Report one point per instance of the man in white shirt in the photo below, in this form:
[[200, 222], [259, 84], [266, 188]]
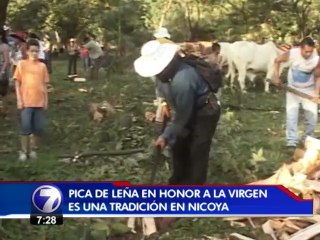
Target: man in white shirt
[[304, 76], [96, 56]]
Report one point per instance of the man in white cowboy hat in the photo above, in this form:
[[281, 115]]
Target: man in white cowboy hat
[[195, 120], [193, 126]]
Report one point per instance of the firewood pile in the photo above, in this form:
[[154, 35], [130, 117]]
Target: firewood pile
[[301, 176]]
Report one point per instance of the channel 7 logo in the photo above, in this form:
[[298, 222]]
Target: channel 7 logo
[[46, 199]]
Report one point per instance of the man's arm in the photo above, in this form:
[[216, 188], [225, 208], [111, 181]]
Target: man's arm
[[184, 104], [45, 82], [17, 78], [317, 79], [277, 63], [88, 45]]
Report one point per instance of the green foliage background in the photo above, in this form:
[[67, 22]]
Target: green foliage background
[[126, 23], [247, 146]]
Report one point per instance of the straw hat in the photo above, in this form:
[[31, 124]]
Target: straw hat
[[154, 58]]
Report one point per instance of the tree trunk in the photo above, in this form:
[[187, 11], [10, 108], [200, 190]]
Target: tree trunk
[[188, 19], [3, 11], [164, 12]]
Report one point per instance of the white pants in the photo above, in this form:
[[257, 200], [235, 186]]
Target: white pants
[[310, 117]]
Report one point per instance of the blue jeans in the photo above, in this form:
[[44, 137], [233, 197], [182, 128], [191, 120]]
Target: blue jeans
[[310, 117], [32, 121]]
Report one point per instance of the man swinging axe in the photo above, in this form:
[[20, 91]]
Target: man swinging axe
[[304, 77], [196, 113]]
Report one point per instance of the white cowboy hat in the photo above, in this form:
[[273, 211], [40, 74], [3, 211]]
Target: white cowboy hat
[[154, 58], [162, 33]]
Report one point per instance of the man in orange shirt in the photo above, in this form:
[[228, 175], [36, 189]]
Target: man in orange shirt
[[31, 77]]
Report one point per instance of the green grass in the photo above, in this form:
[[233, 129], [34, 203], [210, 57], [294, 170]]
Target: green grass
[[70, 130]]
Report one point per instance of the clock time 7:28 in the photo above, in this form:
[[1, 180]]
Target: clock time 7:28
[[39, 219]]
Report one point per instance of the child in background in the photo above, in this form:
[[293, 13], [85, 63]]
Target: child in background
[[31, 77]]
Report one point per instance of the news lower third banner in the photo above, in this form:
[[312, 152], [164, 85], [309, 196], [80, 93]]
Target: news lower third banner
[[121, 199]]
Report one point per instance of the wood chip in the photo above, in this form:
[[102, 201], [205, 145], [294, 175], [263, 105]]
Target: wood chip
[[78, 79], [237, 236], [237, 224], [149, 226], [284, 236], [234, 218], [251, 223], [268, 229], [307, 233]]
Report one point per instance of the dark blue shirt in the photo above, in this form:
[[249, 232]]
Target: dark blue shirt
[[184, 92]]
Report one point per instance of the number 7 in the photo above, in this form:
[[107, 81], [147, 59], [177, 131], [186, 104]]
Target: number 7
[[48, 206], [39, 219]]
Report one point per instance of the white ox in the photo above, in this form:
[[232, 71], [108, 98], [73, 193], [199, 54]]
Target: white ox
[[225, 56], [249, 58]]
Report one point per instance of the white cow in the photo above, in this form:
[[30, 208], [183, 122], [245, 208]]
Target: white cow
[[249, 58], [225, 57]]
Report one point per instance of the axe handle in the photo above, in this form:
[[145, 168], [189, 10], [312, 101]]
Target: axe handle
[[294, 91]]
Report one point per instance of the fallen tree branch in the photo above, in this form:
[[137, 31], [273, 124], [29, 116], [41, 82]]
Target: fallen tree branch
[[107, 153], [6, 151], [239, 108]]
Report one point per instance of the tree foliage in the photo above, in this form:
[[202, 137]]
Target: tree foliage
[[126, 23]]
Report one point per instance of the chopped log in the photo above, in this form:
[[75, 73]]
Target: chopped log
[[284, 236], [6, 151], [131, 224], [307, 233], [316, 204], [300, 223], [234, 218], [237, 236], [267, 228], [148, 226], [100, 110], [251, 223], [310, 220], [108, 153], [79, 79], [291, 225], [237, 224]]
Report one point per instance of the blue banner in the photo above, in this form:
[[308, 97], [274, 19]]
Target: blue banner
[[121, 199]]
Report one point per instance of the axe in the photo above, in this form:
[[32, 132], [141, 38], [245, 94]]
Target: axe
[[293, 90], [148, 223]]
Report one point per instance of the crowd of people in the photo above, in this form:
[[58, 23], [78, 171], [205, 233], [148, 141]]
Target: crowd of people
[[25, 64], [91, 54]]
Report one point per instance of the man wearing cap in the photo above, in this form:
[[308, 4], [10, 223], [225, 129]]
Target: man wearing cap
[[162, 35], [195, 121]]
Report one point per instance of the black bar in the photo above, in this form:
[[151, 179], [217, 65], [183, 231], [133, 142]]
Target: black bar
[[46, 219]]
